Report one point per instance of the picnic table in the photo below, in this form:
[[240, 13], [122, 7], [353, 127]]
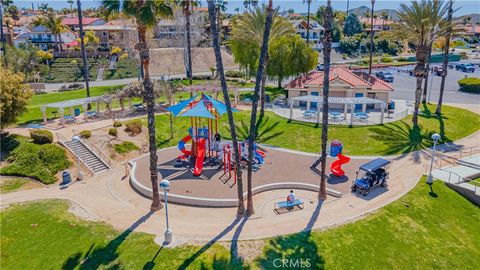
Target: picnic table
[[336, 116], [69, 118], [309, 113], [91, 113], [361, 116]]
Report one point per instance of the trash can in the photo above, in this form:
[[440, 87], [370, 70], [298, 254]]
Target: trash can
[[66, 177], [267, 98], [391, 105]]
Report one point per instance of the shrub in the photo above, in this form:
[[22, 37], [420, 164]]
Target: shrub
[[134, 126], [41, 136], [117, 124], [125, 147], [202, 77], [458, 43], [402, 59], [71, 87], [471, 85], [113, 132], [234, 74], [86, 134], [41, 162], [463, 55], [386, 59]]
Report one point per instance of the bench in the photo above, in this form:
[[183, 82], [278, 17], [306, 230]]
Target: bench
[[285, 206]]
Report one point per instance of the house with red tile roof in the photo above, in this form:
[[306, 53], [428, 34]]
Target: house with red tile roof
[[378, 24], [343, 83], [73, 22]]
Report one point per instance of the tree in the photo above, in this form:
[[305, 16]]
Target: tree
[[327, 48], [371, 39], [309, 3], [53, 23], [86, 72], [146, 14], [186, 6], [384, 15], [446, 50], [247, 32], [14, 98], [231, 123], [352, 25], [290, 55], [262, 62], [421, 24], [220, 6], [70, 2], [45, 56], [3, 4]]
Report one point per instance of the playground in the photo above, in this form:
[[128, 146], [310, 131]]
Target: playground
[[202, 168]]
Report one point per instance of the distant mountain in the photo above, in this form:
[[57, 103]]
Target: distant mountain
[[473, 18], [360, 11]]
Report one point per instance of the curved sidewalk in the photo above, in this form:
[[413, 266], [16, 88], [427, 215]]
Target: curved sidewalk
[[109, 198]]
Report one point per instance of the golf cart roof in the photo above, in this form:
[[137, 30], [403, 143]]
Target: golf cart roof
[[374, 164]]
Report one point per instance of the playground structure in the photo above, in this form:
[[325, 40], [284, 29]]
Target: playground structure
[[336, 148], [206, 149]]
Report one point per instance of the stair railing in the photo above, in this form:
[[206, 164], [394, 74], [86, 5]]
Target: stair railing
[[94, 149]]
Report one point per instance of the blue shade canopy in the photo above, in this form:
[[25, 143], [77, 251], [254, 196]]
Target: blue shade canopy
[[220, 107], [177, 108], [198, 110]]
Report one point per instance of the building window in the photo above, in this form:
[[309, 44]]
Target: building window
[[104, 33]]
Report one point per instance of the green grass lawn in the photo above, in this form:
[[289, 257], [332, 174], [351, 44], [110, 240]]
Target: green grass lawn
[[422, 230], [12, 184], [475, 182], [43, 235], [393, 138]]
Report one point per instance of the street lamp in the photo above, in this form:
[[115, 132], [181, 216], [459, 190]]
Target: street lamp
[[165, 185], [435, 138], [79, 171]]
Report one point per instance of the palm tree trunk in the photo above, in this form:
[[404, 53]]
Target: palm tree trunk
[[371, 40], [438, 111], [327, 48], [427, 69], [2, 36], [421, 55], [309, 2], [60, 41], [189, 42], [143, 49], [231, 122], [84, 52], [262, 92]]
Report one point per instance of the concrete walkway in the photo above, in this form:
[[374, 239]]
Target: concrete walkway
[[108, 197]]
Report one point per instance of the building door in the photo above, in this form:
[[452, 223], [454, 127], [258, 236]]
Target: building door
[[372, 96], [303, 103], [313, 105], [358, 106]]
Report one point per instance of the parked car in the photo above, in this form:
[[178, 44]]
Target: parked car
[[371, 175], [386, 76], [320, 67], [468, 67]]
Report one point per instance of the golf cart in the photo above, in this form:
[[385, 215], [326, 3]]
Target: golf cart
[[370, 175]]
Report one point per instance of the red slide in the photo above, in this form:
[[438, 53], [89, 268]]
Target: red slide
[[200, 157], [336, 166]]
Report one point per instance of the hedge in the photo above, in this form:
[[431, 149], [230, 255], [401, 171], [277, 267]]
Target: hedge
[[117, 124], [471, 85], [234, 74], [386, 59], [133, 126], [125, 147], [113, 132], [41, 136], [86, 134], [41, 162]]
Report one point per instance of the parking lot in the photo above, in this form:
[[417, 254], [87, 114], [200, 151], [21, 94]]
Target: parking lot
[[405, 84]]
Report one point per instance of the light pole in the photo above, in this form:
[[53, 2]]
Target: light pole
[[79, 171], [165, 185], [435, 138]]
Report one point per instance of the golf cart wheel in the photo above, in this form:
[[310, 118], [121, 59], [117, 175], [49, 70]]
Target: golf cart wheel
[[364, 192], [354, 188], [384, 184]]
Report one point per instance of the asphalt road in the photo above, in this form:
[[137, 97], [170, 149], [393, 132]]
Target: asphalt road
[[404, 85]]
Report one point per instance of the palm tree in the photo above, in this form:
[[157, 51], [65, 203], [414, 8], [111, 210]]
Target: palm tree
[[253, 117], [327, 48], [418, 21], [53, 23], [220, 6], [309, 3], [186, 6], [445, 56], [231, 123], [84, 53], [249, 30], [146, 14], [348, 7], [371, 39], [384, 15], [71, 6]]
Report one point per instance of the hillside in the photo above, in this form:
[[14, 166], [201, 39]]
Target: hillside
[[473, 18], [360, 11]]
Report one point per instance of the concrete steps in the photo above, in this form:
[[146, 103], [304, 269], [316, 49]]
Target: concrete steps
[[86, 156]]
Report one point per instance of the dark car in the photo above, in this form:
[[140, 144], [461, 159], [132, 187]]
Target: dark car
[[373, 175], [320, 67], [438, 70], [465, 67]]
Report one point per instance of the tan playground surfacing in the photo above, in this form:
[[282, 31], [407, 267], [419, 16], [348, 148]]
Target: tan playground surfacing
[[282, 169]]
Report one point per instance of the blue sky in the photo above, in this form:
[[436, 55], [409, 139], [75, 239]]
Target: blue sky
[[466, 6]]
